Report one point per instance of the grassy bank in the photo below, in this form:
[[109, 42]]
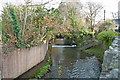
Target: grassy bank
[[97, 50], [42, 71]]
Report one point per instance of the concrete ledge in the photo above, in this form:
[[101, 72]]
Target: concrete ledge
[[19, 61], [0, 75]]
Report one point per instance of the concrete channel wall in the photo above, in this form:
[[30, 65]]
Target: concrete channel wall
[[0, 60], [19, 61]]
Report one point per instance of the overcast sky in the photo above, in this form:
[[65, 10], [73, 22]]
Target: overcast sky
[[108, 5]]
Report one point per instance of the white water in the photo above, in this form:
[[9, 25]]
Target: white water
[[54, 45]]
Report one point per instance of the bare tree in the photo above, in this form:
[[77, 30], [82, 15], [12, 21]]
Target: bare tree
[[93, 10], [65, 8], [26, 14]]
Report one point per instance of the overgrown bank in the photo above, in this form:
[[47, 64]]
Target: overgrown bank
[[105, 39], [25, 27], [97, 50]]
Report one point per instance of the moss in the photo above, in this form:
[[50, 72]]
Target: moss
[[44, 69], [51, 53], [119, 34]]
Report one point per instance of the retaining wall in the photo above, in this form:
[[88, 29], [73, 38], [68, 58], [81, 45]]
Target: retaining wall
[[19, 61], [111, 62], [0, 60]]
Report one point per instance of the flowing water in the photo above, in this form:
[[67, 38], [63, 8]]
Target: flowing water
[[70, 62]]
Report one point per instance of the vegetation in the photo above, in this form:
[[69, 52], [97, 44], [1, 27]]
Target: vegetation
[[107, 37], [76, 34], [93, 10], [97, 50], [107, 25], [38, 27], [25, 27], [44, 69], [119, 29]]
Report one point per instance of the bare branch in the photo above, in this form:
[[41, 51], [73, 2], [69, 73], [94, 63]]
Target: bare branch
[[42, 4]]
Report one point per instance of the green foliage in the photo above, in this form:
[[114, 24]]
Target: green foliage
[[40, 25], [97, 50], [75, 34], [107, 25], [107, 37], [16, 27], [119, 29], [0, 26], [72, 18], [51, 53], [43, 70]]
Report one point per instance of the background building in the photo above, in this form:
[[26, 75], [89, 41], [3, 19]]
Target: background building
[[117, 28], [119, 10]]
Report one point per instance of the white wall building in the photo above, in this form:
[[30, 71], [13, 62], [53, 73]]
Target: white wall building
[[119, 9]]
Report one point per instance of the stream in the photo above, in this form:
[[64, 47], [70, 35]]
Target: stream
[[70, 62]]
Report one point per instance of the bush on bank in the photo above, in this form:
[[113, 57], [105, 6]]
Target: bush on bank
[[107, 37], [25, 27], [76, 32]]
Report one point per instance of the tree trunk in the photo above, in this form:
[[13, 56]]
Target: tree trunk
[[24, 21]]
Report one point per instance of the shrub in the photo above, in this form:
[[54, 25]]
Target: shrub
[[78, 36], [107, 37], [107, 25], [76, 33], [119, 29], [19, 31]]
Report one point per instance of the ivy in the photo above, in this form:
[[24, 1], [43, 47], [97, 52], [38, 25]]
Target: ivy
[[16, 27], [41, 24]]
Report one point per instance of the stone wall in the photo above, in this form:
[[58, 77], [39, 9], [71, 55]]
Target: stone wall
[[111, 62], [19, 61]]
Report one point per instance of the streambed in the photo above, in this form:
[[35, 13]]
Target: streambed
[[70, 62]]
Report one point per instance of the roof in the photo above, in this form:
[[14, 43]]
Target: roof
[[117, 21]]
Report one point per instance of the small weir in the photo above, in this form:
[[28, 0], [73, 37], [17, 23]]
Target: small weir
[[54, 45], [70, 62]]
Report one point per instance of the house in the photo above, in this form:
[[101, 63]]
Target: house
[[118, 20]]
